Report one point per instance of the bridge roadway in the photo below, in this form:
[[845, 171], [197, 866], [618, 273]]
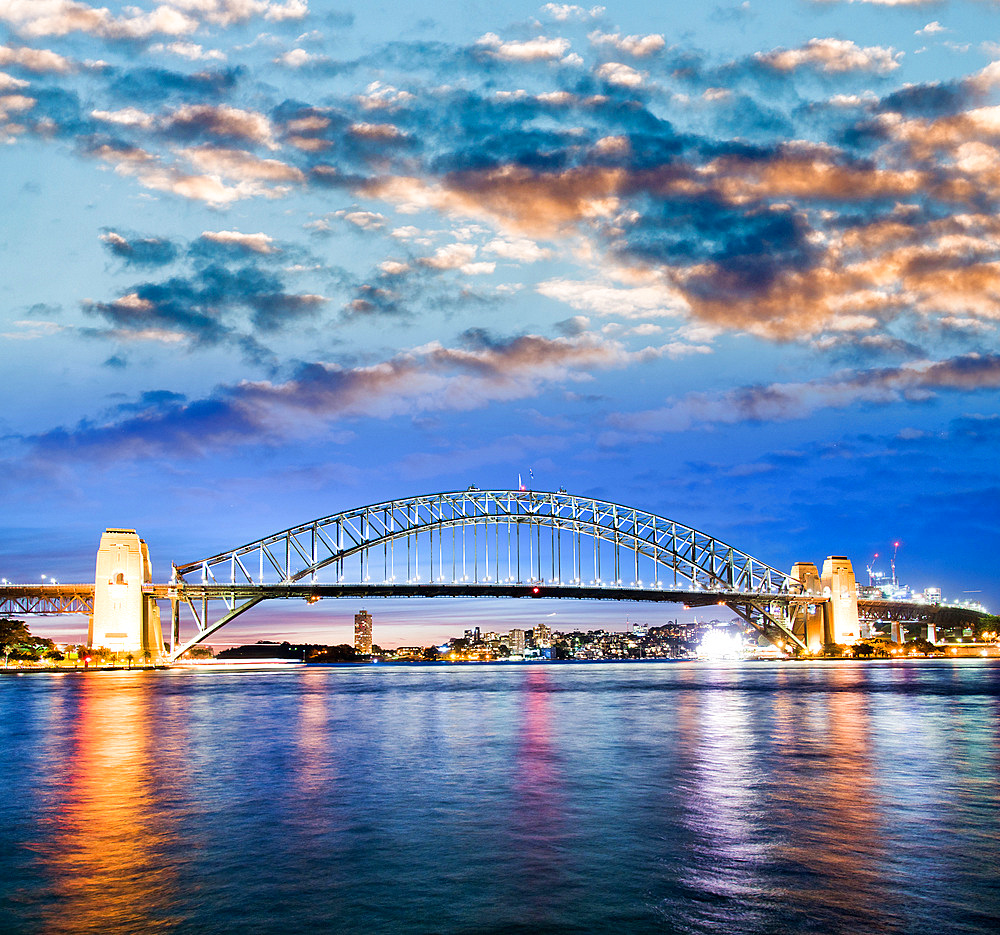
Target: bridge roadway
[[78, 598]]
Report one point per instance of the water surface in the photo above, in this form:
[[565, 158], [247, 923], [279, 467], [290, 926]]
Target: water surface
[[666, 798]]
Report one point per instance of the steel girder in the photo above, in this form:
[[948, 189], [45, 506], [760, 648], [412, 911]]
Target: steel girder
[[47, 599]]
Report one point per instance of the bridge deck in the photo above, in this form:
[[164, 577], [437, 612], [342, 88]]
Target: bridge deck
[[78, 598]]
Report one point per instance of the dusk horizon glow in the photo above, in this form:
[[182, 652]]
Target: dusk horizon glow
[[268, 260]]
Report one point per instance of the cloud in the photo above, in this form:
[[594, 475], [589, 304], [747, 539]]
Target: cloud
[[194, 121], [244, 167], [832, 55], [227, 274], [479, 370], [601, 297], [639, 46], [14, 104], [190, 51], [161, 85], [564, 12], [35, 60], [749, 211], [249, 171], [60, 17], [379, 96], [521, 249], [9, 83], [295, 58], [170, 18], [140, 251], [31, 330], [616, 73], [366, 220], [452, 256], [126, 117], [253, 243], [515, 197], [779, 402], [528, 50]]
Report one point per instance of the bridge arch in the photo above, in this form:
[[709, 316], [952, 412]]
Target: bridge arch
[[484, 543], [520, 552]]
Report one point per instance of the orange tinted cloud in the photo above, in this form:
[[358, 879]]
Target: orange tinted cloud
[[515, 197], [832, 55]]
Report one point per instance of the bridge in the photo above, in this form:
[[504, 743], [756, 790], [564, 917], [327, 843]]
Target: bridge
[[470, 543]]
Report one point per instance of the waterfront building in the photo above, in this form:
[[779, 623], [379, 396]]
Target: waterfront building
[[515, 642], [363, 633], [543, 636]]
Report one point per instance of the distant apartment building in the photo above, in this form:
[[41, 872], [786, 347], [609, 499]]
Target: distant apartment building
[[363, 633], [543, 636], [515, 642]]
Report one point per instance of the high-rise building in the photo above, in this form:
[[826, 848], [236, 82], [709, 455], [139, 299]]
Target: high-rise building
[[515, 641], [363, 633], [543, 636]]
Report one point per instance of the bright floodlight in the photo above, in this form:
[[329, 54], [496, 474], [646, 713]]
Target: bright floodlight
[[721, 644]]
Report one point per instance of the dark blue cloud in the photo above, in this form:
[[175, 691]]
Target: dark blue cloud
[[223, 278], [136, 250], [159, 85]]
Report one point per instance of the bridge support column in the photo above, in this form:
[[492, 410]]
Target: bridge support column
[[125, 620], [175, 623], [840, 585]]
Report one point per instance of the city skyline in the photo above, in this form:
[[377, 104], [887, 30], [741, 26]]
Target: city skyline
[[265, 261]]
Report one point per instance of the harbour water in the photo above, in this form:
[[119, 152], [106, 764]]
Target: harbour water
[[627, 798]]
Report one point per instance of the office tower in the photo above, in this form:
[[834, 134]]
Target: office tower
[[363, 633]]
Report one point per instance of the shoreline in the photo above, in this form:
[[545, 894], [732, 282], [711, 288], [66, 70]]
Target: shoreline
[[293, 665]]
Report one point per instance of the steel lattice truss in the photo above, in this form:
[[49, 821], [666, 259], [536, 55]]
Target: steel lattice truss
[[47, 599], [482, 542], [494, 536]]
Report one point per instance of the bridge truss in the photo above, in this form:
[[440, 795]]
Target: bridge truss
[[501, 543], [46, 599]]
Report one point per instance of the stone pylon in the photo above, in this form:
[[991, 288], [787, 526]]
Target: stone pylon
[[125, 619], [840, 585]]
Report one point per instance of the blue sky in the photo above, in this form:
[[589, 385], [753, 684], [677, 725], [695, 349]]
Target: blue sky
[[737, 264]]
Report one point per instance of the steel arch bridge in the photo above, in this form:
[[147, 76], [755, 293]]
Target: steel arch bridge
[[497, 543]]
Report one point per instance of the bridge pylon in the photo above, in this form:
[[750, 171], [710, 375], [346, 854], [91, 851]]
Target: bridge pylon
[[126, 618], [840, 585]]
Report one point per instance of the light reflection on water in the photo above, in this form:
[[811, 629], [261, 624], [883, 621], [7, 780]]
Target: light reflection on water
[[597, 798]]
